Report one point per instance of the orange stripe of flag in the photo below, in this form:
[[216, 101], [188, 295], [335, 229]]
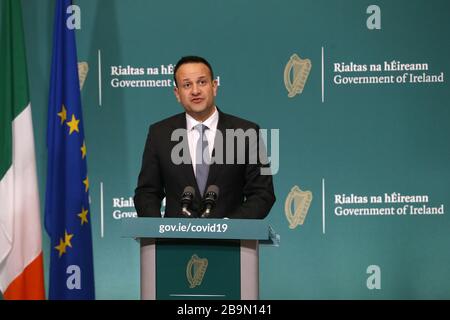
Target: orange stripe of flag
[[29, 285]]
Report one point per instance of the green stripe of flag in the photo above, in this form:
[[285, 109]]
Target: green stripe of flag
[[13, 77]]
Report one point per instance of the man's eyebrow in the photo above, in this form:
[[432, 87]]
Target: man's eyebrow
[[199, 77]]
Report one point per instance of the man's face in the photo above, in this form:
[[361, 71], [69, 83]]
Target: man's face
[[195, 90]]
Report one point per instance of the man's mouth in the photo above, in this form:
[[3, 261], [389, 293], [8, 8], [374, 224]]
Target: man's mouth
[[197, 100]]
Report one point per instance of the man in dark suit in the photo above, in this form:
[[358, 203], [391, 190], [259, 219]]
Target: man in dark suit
[[202, 147]]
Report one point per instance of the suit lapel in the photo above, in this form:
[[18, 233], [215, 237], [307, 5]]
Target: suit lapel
[[186, 168], [214, 168]]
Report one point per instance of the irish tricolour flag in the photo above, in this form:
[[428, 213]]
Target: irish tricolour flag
[[21, 267]]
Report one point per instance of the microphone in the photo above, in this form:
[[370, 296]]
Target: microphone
[[186, 200], [211, 195]]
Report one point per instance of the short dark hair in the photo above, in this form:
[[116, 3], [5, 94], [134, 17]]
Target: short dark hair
[[191, 59]]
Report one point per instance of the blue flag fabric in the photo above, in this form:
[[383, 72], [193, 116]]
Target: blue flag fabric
[[67, 212]]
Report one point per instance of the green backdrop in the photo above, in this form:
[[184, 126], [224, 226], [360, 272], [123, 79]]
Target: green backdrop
[[334, 139]]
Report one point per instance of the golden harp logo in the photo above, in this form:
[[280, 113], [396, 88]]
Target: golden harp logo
[[83, 69], [302, 201], [299, 68], [195, 270]]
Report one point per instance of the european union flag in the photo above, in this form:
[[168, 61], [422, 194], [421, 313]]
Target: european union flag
[[67, 213]]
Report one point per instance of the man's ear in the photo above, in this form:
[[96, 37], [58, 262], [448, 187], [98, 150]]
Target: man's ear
[[215, 86], [175, 91]]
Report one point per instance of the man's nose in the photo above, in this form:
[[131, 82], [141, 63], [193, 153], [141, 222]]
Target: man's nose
[[195, 89]]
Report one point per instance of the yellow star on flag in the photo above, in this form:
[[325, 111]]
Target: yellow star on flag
[[61, 247], [86, 183], [67, 238], [83, 150], [73, 124], [63, 114], [83, 215]]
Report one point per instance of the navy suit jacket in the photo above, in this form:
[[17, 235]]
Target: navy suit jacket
[[243, 191]]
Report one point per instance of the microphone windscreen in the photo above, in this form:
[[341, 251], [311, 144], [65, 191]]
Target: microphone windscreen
[[213, 188], [189, 189]]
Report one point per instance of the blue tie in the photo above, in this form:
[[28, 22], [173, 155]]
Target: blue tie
[[202, 158]]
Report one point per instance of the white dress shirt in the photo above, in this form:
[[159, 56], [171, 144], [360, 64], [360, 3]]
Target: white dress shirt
[[193, 135]]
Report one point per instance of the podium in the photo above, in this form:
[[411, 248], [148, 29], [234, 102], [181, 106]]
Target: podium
[[199, 258]]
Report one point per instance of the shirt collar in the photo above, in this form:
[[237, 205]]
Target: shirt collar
[[211, 122]]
